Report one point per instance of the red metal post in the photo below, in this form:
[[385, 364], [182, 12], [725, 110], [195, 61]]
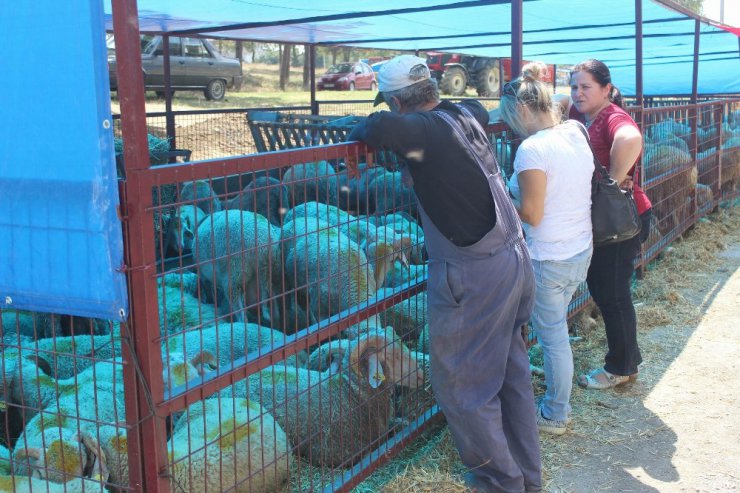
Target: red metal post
[[147, 453], [516, 37]]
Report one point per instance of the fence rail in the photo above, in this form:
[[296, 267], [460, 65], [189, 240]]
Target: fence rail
[[288, 346]]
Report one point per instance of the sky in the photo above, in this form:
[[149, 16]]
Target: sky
[[732, 11]]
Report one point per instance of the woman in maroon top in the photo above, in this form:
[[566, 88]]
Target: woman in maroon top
[[617, 144]]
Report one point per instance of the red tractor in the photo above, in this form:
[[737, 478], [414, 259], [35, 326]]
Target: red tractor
[[455, 72]]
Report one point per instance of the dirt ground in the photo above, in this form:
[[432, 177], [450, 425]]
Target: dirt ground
[[674, 430], [677, 428]]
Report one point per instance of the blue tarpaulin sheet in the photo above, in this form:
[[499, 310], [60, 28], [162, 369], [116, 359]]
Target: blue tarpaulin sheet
[[61, 247], [555, 31]]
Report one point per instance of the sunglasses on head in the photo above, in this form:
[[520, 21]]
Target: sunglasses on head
[[513, 87]]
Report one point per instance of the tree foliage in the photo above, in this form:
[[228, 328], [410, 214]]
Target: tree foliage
[[695, 6]]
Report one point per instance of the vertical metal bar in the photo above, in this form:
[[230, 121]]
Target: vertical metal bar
[[169, 116], [554, 78], [694, 112], [144, 469], [639, 96], [312, 68], [638, 53], [695, 74], [516, 37]]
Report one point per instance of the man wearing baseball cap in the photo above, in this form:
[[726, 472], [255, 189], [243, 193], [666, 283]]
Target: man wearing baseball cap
[[480, 288]]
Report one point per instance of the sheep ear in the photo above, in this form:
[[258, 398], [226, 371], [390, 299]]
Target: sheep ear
[[204, 359], [98, 469], [43, 365], [364, 347], [29, 453]]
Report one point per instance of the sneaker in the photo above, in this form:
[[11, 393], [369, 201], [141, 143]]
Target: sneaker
[[550, 425]]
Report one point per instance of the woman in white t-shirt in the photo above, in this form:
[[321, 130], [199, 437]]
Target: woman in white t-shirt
[[551, 186]]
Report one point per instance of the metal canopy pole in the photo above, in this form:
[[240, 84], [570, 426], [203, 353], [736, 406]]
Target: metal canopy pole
[[638, 53], [516, 37], [169, 117], [312, 70], [695, 78], [146, 437]]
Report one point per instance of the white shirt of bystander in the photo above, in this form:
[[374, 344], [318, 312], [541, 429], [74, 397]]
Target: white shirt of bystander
[[563, 154]]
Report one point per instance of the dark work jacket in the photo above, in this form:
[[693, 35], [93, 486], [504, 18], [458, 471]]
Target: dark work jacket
[[448, 182]]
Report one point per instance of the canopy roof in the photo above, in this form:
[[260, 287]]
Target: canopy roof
[[555, 31]]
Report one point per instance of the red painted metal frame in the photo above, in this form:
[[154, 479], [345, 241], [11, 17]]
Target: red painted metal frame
[[147, 432]]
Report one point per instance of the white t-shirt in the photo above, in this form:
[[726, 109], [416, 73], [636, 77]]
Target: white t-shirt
[[563, 154]]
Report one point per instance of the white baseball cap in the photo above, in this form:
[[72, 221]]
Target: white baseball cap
[[395, 74]]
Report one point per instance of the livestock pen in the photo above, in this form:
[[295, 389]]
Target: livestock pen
[[274, 335], [285, 316]]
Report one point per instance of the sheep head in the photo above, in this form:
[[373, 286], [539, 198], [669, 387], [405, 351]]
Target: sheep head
[[383, 255], [63, 459], [378, 359], [181, 227]]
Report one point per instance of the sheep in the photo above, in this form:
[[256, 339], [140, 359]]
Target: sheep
[[330, 272], [400, 275], [59, 358], [200, 194], [411, 402], [4, 461], [179, 310], [422, 346], [354, 193], [331, 419], [15, 484], [228, 443], [34, 388], [392, 194], [235, 250], [187, 282], [61, 442], [311, 211], [408, 317], [31, 324], [328, 356], [264, 195], [181, 227], [86, 415], [312, 182], [226, 342]]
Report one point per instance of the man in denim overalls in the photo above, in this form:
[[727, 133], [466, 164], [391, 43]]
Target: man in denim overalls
[[480, 288]]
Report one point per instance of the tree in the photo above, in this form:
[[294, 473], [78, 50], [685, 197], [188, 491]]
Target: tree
[[306, 68], [695, 6], [285, 65]]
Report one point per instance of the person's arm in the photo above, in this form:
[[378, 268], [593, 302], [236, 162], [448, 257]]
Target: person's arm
[[532, 184], [403, 134], [626, 148]]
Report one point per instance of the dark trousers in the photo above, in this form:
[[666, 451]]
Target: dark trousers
[[609, 278]]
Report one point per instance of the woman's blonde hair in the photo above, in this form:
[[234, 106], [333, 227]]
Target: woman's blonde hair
[[527, 90]]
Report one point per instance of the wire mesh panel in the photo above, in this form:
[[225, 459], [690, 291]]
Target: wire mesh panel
[[295, 293], [292, 308], [63, 420]]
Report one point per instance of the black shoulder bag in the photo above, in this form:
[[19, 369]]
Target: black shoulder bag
[[613, 211]]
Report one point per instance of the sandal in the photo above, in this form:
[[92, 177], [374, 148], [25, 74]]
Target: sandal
[[600, 379]]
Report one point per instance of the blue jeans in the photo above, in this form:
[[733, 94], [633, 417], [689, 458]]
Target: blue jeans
[[556, 281]]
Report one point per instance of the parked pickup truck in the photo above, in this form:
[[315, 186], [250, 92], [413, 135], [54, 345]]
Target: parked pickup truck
[[195, 64]]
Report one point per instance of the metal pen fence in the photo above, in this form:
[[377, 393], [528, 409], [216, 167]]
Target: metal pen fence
[[284, 343]]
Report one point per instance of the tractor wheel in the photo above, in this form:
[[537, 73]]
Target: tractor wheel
[[487, 80], [454, 81]]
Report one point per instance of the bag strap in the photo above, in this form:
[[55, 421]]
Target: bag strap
[[599, 167]]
